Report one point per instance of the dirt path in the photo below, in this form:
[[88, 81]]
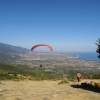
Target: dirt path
[[43, 90]]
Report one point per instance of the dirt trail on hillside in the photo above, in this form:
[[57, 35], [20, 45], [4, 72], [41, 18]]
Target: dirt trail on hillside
[[43, 90]]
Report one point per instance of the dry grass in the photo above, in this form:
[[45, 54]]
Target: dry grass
[[43, 90]]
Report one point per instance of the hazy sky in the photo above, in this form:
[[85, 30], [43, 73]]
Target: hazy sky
[[66, 25]]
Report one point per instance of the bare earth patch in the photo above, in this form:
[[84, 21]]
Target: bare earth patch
[[44, 90]]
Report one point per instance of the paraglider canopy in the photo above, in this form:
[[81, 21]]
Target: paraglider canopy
[[37, 45]]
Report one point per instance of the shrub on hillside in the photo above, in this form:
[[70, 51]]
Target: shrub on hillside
[[96, 76], [64, 82]]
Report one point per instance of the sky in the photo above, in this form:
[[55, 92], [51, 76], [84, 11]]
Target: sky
[[66, 25]]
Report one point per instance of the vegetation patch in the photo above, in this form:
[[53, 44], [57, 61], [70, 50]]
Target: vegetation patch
[[9, 72], [64, 82]]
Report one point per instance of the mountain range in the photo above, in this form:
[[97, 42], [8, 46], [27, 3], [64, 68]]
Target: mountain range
[[10, 52]]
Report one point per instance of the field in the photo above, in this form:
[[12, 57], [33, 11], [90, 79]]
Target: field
[[45, 90]]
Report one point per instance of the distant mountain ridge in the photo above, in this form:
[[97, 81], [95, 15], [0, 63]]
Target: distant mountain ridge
[[10, 52], [6, 48]]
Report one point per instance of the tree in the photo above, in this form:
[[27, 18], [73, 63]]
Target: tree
[[98, 47]]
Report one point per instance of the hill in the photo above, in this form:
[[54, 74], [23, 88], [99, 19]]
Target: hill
[[6, 48], [9, 52]]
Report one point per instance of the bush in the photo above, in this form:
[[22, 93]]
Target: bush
[[96, 76], [64, 82]]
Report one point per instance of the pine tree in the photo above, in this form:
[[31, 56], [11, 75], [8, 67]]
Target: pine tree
[[98, 47]]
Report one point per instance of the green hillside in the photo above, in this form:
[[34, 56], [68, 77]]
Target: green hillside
[[41, 73]]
